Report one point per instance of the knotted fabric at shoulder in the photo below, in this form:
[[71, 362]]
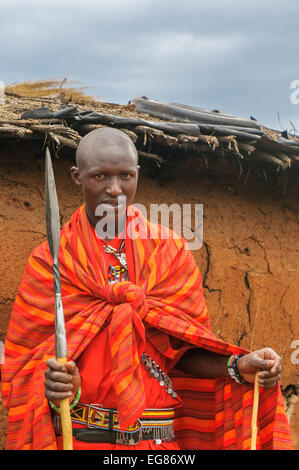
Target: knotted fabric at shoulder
[[127, 292]]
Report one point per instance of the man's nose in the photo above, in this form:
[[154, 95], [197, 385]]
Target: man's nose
[[114, 187]]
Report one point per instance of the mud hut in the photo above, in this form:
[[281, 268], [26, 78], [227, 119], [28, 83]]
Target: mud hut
[[245, 176]]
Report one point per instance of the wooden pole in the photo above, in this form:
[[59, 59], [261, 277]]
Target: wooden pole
[[254, 428], [65, 416]]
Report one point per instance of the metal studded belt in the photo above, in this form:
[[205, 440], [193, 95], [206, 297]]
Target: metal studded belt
[[97, 436], [103, 426]]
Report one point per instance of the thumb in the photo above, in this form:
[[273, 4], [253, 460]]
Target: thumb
[[71, 367]]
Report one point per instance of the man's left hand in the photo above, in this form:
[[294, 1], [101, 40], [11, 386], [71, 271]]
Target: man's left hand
[[265, 360]]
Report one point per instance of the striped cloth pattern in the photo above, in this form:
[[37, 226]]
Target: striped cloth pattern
[[165, 296]]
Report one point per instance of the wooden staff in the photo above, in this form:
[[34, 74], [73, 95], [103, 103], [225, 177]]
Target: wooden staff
[[53, 234], [254, 428]]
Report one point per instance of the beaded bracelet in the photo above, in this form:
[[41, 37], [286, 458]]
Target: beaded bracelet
[[71, 406], [233, 369]]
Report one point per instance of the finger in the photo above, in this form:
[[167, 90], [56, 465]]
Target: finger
[[58, 386], [269, 382], [269, 354], [54, 396], [277, 366], [55, 365], [58, 376], [260, 364], [267, 374]]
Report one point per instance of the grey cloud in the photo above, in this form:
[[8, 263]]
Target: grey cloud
[[239, 57]]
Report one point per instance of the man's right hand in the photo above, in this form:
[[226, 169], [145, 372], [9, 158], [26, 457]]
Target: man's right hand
[[61, 381]]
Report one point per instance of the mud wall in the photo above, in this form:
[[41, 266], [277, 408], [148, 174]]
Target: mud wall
[[249, 259]]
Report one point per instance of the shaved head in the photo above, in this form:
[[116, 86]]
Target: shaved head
[[107, 170], [92, 144]]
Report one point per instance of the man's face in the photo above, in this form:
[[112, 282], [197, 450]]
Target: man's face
[[108, 176]]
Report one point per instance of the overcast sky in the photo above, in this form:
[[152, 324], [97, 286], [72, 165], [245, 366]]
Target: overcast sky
[[239, 57]]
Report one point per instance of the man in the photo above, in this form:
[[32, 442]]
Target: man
[[140, 346]]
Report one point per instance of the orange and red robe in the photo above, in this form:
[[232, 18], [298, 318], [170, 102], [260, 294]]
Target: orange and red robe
[[95, 364], [163, 298]]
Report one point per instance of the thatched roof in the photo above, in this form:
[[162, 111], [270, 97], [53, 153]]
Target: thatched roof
[[165, 133]]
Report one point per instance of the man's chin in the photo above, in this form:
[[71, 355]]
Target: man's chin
[[106, 208], [111, 214], [111, 224]]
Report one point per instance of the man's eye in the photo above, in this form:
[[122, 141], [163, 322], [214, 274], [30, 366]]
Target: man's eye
[[100, 176], [126, 176]]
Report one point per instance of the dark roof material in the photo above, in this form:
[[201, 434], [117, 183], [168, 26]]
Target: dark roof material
[[163, 132]]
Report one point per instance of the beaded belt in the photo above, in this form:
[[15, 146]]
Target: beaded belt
[[156, 424]]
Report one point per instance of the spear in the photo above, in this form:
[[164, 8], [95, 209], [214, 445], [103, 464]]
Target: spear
[[53, 234]]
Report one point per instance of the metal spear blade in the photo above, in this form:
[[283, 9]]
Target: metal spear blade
[[52, 210], [53, 234]]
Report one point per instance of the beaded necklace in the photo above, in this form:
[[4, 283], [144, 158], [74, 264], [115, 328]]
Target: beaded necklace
[[115, 272], [117, 253]]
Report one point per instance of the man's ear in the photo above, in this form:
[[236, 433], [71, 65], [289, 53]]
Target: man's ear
[[75, 175]]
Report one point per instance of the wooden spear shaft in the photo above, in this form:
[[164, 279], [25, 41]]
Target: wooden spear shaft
[[66, 423]]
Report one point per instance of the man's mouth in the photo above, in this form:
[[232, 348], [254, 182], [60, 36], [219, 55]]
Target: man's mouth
[[119, 201], [110, 206], [111, 203]]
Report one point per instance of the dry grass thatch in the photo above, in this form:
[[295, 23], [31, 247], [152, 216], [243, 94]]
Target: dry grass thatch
[[53, 88]]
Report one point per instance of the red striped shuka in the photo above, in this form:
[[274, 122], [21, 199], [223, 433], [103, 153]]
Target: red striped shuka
[[165, 297]]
